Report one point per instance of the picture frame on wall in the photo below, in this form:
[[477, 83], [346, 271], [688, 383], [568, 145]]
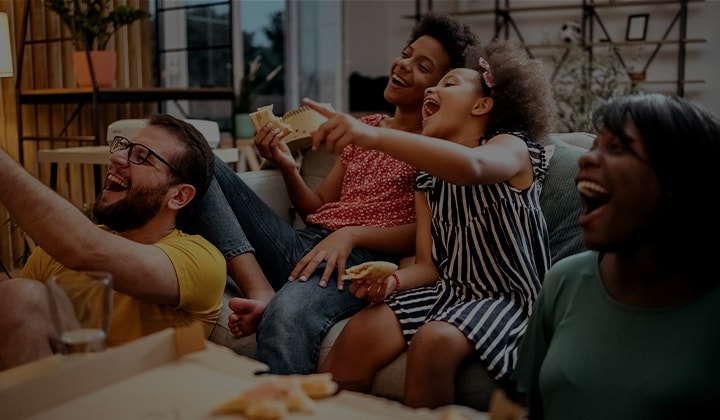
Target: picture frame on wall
[[637, 27]]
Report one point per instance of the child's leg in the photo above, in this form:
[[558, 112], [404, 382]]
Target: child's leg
[[371, 340], [436, 352]]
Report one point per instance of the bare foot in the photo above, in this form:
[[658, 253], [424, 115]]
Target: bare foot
[[246, 315]]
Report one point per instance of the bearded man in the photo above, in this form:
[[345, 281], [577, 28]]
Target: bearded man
[[162, 277]]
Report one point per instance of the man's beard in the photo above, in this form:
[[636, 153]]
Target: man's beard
[[133, 211]]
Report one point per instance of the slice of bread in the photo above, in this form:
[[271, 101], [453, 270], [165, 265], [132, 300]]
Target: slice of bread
[[370, 271], [265, 115], [300, 121]]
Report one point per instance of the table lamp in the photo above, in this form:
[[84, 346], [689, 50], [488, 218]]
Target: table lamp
[[6, 63]]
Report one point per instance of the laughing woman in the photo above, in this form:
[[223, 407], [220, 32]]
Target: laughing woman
[[631, 329]]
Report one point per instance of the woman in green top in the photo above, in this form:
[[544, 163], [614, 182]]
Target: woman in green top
[[631, 329]]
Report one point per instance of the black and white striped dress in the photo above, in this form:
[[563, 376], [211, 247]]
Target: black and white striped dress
[[491, 247]]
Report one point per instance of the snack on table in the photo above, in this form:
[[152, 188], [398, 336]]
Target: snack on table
[[264, 400], [370, 271], [452, 413], [277, 396], [316, 386], [266, 410]]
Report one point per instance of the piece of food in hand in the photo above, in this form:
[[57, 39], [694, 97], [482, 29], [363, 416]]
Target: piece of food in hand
[[299, 121], [303, 121], [265, 115], [370, 271]]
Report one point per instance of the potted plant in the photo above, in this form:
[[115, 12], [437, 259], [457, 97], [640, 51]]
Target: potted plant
[[248, 89], [91, 25], [580, 85]]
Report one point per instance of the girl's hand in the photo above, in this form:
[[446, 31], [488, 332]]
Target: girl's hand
[[340, 129], [269, 144], [375, 291], [333, 250]]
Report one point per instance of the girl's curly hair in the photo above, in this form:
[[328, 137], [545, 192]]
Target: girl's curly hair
[[522, 94], [454, 35]]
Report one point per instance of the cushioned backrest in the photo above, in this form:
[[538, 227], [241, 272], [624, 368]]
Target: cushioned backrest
[[128, 127], [559, 199]]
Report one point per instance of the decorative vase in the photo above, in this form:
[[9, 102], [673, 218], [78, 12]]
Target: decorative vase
[[243, 127], [104, 65]]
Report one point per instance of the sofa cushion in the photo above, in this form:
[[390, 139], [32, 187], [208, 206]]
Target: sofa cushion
[[473, 385], [559, 199], [560, 204]]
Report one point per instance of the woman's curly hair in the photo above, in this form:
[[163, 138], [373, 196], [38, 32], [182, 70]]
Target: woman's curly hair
[[522, 94], [454, 35]]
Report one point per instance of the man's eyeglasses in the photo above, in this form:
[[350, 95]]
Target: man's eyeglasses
[[138, 153]]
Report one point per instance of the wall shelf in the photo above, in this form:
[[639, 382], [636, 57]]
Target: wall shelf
[[78, 99], [499, 9], [591, 21], [153, 94]]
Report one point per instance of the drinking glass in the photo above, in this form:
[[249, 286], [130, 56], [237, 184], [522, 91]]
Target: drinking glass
[[80, 307]]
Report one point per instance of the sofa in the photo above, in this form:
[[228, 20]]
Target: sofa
[[560, 204]]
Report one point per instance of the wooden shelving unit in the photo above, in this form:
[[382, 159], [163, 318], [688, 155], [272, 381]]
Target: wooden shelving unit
[[591, 22], [81, 98]]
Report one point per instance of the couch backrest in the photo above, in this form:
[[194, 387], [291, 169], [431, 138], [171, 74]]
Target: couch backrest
[[128, 127], [559, 199]]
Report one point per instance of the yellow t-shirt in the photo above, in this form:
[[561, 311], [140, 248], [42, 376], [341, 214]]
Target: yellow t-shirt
[[201, 274]]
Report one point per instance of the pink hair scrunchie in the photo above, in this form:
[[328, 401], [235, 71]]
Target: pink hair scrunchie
[[487, 74]]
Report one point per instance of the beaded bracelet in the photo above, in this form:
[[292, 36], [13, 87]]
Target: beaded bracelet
[[397, 283]]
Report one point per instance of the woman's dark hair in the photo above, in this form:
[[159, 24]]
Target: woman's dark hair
[[196, 160], [522, 94], [682, 140], [454, 35]]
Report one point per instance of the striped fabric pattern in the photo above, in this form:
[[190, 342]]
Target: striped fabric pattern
[[491, 247]]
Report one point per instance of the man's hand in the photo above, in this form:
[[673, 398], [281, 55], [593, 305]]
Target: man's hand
[[333, 250], [340, 129]]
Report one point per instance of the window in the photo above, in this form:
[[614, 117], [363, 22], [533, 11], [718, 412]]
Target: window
[[203, 42], [194, 48]]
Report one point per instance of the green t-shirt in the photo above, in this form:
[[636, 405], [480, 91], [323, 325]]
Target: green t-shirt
[[587, 356]]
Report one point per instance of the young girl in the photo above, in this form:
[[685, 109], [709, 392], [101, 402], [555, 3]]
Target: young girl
[[482, 242], [631, 329], [362, 211]]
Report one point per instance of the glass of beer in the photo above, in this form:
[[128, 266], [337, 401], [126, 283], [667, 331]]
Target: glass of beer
[[81, 307]]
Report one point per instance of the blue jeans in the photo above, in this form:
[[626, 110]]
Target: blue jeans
[[236, 220]]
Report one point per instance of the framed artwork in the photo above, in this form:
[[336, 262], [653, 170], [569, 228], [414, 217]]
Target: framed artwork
[[637, 27]]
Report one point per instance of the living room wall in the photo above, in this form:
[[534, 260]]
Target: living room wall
[[369, 52], [47, 65], [376, 30]]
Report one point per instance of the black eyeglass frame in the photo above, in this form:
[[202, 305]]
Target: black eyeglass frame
[[117, 145]]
